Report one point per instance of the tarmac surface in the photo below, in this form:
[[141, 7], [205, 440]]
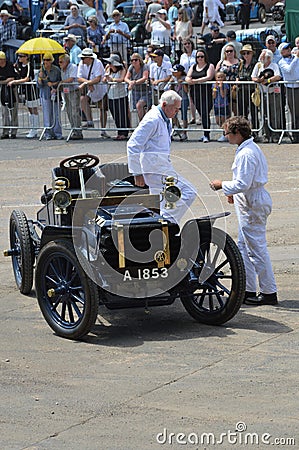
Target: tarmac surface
[[146, 381]]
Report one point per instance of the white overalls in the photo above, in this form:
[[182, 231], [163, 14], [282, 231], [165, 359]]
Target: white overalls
[[253, 205]]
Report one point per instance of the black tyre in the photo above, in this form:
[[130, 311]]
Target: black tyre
[[67, 298], [217, 298], [22, 251], [262, 15]]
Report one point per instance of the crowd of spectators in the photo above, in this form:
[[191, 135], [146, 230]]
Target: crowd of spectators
[[212, 74]]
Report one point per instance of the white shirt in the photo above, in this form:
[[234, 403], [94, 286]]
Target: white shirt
[[259, 67], [250, 171], [160, 33], [97, 70], [149, 146], [188, 61], [160, 72]]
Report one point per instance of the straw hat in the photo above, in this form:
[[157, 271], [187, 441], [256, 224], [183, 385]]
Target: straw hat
[[246, 48]]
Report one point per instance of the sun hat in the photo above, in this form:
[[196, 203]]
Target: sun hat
[[70, 37], [246, 48], [114, 60], [115, 12], [157, 52], [4, 12], [283, 45], [2, 55], [49, 56], [162, 11], [87, 53]]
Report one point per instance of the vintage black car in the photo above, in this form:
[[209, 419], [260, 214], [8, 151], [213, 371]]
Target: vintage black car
[[100, 240]]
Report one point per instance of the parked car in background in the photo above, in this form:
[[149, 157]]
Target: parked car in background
[[233, 11]]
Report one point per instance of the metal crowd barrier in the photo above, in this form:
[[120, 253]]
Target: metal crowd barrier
[[278, 111]]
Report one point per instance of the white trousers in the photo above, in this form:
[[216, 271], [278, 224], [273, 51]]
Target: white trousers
[[252, 212]]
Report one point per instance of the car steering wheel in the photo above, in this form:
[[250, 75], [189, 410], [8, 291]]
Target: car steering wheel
[[78, 162]]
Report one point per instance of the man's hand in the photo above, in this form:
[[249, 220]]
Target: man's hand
[[139, 180], [216, 185]]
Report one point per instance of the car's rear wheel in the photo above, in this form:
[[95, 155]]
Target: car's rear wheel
[[67, 297], [219, 293], [22, 252]]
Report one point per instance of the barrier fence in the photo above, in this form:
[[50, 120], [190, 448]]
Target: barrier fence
[[120, 110]]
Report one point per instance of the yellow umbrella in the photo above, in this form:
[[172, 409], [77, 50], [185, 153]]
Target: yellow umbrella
[[40, 45]]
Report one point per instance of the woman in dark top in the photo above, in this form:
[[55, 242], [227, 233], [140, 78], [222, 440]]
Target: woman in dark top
[[25, 71], [200, 91], [245, 105]]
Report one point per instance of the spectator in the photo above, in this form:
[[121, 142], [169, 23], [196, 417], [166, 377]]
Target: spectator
[[266, 73], [230, 66], [160, 74], [90, 75], [73, 49], [139, 7], [253, 205], [8, 27], [173, 12], [231, 39], [186, 6], [183, 27], [48, 79], [95, 35], [271, 44], [160, 30], [245, 8], [177, 83], [211, 14], [221, 101], [201, 92], [289, 67], [245, 105], [148, 59], [9, 104], [152, 9], [149, 154], [74, 23], [187, 59], [117, 95], [22, 7], [71, 95], [61, 4], [98, 5], [137, 78], [213, 42], [295, 49], [25, 72], [118, 34]]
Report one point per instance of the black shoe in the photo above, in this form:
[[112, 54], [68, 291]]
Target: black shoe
[[263, 299], [76, 137], [4, 136], [13, 136]]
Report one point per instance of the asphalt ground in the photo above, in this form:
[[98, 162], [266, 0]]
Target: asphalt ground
[[139, 377]]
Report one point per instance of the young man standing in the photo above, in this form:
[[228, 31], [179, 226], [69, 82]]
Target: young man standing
[[253, 205]]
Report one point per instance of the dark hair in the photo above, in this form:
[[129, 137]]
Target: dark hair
[[191, 42], [238, 123], [203, 50]]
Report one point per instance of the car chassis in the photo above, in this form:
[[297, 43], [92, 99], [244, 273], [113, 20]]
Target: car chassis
[[100, 240]]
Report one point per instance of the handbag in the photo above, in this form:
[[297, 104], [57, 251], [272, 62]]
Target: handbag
[[256, 97]]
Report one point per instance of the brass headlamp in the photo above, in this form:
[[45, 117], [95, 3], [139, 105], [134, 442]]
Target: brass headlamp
[[171, 193], [61, 198]]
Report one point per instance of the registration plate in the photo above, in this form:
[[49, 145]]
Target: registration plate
[[145, 274]]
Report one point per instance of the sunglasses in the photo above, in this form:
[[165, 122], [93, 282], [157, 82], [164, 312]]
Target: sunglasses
[[200, 56], [246, 53], [22, 56], [134, 59], [271, 42], [187, 43], [228, 51], [47, 59]]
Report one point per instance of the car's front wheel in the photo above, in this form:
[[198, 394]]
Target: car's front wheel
[[215, 296], [67, 297]]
